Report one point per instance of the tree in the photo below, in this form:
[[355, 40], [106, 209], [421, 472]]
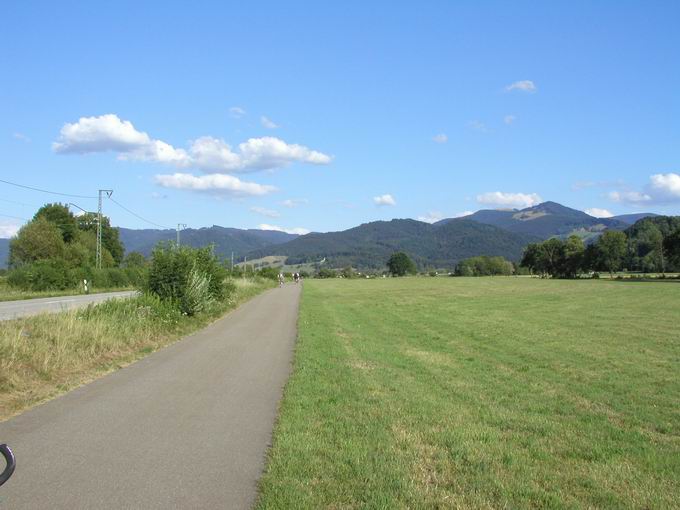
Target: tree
[[37, 240], [612, 247], [574, 251], [671, 246], [110, 236], [62, 217], [400, 264], [134, 259], [533, 257]]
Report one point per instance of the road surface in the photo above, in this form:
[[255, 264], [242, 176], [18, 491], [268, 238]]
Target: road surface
[[185, 427], [25, 307]]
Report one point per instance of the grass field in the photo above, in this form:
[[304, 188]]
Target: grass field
[[45, 355], [481, 393]]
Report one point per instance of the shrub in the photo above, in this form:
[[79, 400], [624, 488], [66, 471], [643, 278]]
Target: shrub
[[42, 275], [190, 277]]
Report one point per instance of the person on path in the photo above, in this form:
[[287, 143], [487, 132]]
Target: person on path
[[281, 280]]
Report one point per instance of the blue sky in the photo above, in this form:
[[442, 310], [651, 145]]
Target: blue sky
[[306, 115]]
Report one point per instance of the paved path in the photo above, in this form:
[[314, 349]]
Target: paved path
[[185, 427], [25, 307]]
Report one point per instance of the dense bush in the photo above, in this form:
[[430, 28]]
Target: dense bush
[[271, 273], [55, 274], [326, 273], [190, 277], [484, 266]]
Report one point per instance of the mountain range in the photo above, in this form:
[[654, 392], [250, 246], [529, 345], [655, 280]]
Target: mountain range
[[442, 244]]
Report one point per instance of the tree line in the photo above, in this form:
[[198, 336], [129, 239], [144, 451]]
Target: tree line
[[650, 245]]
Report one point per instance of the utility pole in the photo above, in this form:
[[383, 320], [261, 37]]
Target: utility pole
[[232, 262], [180, 226], [108, 192], [245, 266]]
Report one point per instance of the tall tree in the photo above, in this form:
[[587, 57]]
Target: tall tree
[[612, 246], [574, 251], [110, 236], [400, 264], [61, 217], [37, 240]]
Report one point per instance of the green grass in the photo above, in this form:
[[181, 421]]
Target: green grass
[[45, 355], [481, 393]]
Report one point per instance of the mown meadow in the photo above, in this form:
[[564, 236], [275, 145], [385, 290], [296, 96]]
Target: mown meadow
[[481, 393]]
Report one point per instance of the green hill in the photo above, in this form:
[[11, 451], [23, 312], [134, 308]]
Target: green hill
[[226, 240], [368, 246], [545, 220]]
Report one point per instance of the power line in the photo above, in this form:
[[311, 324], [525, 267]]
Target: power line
[[137, 215], [44, 190], [18, 203]]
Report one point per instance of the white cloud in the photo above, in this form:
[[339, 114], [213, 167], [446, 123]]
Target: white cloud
[[217, 184], [297, 230], [294, 202], [269, 213], [440, 138], [100, 134], [8, 229], [22, 137], [518, 200], [108, 133], [478, 126], [383, 200], [661, 189], [522, 85], [431, 217], [665, 187], [509, 119], [630, 197], [598, 213], [463, 214], [236, 112], [268, 123]]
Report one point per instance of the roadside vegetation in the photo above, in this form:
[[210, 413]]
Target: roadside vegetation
[[480, 393], [184, 290]]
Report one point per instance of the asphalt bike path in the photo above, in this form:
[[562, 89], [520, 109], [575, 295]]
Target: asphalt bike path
[[185, 427]]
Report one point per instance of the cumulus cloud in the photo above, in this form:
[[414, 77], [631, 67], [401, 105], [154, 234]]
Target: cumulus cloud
[[8, 229], [509, 119], [598, 213], [384, 200], [236, 112], [269, 213], [440, 138], [297, 230], [661, 189], [294, 202], [431, 217], [517, 200], [208, 154], [216, 184], [665, 187], [268, 123], [522, 85]]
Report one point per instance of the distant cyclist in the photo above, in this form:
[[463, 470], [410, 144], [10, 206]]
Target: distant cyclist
[[296, 276], [281, 279]]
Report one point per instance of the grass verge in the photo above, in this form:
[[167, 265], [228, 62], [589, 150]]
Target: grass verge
[[45, 355], [480, 393]]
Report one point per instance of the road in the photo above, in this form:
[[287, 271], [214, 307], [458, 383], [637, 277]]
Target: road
[[26, 307], [185, 427]]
